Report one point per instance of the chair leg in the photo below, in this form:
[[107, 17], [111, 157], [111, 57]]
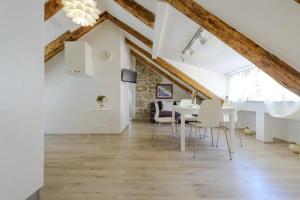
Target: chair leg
[[155, 126], [190, 135], [212, 137], [195, 148], [155, 133], [229, 151], [172, 137], [217, 142], [176, 128], [239, 134], [200, 133], [204, 136], [107, 137]]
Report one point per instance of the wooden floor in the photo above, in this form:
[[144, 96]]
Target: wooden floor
[[127, 167]]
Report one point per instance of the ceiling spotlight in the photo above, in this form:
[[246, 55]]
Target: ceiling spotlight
[[187, 52], [198, 35], [191, 52], [182, 57], [203, 41]]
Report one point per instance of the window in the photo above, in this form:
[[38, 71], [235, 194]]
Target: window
[[252, 84]]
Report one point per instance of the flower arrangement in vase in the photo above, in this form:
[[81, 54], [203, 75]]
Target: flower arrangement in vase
[[100, 100], [194, 96]]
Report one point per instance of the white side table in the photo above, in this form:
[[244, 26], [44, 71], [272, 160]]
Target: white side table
[[107, 118]]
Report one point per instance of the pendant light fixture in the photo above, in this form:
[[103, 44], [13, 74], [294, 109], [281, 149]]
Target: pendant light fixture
[[82, 12]]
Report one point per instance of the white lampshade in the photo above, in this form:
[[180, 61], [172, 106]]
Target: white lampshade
[[82, 12]]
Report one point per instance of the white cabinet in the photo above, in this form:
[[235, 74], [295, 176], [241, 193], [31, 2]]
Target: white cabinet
[[78, 58]]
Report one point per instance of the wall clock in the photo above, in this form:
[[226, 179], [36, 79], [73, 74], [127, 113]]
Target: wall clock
[[107, 55]]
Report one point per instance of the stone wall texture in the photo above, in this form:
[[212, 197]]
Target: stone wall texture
[[145, 89]]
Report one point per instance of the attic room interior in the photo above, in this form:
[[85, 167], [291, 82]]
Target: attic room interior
[[150, 99]]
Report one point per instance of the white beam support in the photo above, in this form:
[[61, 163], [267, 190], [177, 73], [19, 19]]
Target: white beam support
[[160, 20]]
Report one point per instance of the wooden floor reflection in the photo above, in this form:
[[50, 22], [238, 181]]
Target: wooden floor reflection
[[90, 167]]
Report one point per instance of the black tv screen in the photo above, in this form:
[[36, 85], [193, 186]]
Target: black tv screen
[[129, 76]]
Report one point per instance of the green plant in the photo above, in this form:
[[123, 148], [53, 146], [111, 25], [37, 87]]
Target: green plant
[[100, 98]]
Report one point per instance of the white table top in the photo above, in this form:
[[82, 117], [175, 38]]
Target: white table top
[[176, 107], [100, 109]]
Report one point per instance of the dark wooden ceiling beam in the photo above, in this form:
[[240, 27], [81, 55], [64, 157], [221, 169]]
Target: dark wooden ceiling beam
[[138, 11], [174, 71], [283, 73], [297, 1], [56, 46], [130, 30], [51, 7]]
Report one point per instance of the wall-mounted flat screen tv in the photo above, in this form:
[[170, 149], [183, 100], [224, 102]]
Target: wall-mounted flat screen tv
[[129, 76]]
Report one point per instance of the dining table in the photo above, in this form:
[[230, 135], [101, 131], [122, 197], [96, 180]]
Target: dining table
[[194, 109]]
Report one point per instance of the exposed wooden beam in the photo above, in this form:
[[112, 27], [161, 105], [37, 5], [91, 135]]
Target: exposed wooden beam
[[51, 7], [297, 1], [56, 46], [78, 33], [138, 11], [130, 30], [283, 73], [162, 73], [174, 71]]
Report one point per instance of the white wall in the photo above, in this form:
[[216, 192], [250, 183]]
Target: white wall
[[69, 98], [213, 81], [126, 63], [21, 99], [285, 129]]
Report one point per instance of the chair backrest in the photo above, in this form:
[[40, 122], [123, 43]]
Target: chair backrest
[[186, 103], [156, 116], [210, 113]]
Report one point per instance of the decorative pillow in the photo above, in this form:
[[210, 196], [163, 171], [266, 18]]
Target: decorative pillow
[[167, 105]]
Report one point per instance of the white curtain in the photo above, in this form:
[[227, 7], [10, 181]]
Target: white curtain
[[253, 84]]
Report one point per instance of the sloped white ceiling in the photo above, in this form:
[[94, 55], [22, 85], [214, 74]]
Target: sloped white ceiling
[[124, 16], [274, 24], [57, 25], [214, 55]]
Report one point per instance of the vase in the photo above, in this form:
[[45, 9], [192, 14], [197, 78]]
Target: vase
[[295, 148], [248, 131], [101, 104]]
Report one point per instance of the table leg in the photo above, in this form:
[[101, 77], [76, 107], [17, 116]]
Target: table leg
[[232, 131], [182, 132], [173, 124]]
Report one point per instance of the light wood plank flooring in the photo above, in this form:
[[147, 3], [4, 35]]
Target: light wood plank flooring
[[90, 167]]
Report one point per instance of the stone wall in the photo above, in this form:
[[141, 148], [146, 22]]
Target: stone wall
[[145, 89]]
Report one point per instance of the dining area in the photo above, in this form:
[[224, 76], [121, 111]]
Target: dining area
[[209, 119]]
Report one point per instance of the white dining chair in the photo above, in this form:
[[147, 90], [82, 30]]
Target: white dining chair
[[162, 120], [226, 122], [210, 116], [187, 103]]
